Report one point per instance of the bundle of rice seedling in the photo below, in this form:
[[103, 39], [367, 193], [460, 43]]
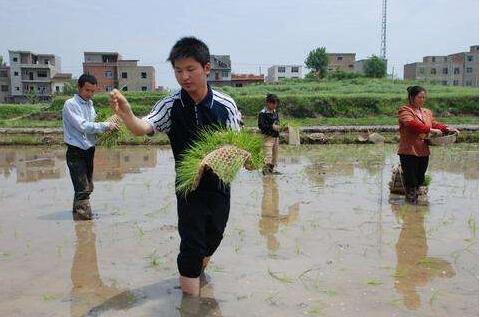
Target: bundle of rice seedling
[[224, 152], [112, 137]]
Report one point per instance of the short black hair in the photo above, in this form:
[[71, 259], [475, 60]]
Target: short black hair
[[413, 91], [271, 98], [86, 78], [190, 47]]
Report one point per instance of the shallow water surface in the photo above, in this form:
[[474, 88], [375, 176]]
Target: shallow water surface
[[325, 238]]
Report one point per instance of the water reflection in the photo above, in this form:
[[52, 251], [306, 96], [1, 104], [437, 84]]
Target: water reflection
[[88, 289], [35, 164], [271, 218], [414, 268]]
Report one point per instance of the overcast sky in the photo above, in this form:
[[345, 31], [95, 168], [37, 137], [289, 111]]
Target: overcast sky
[[255, 33]]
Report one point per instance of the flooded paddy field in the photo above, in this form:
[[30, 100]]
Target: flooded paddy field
[[325, 238]]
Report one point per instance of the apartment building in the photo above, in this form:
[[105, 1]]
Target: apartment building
[[112, 71], [32, 73], [458, 69]]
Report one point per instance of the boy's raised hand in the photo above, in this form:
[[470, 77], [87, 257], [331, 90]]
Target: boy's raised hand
[[119, 104]]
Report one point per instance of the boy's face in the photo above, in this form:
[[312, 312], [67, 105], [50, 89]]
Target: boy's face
[[272, 105], [190, 74], [87, 91]]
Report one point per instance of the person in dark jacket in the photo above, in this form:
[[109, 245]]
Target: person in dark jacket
[[269, 125]]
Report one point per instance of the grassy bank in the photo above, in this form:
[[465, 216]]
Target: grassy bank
[[358, 101]]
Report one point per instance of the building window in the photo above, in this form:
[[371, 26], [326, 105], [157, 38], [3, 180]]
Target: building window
[[108, 88], [3, 74], [444, 82], [469, 70], [108, 74], [350, 66], [4, 88], [456, 70], [15, 73], [281, 69], [445, 70], [295, 69], [279, 78], [124, 75], [45, 62], [421, 70], [125, 88], [470, 58], [144, 88], [433, 59], [42, 74], [339, 58], [468, 83], [224, 73], [455, 82], [15, 59], [144, 75], [17, 88], [445, 59], [433, 71], [57, 88]]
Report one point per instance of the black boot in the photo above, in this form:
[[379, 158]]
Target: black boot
[[82, 210], [411, 195]]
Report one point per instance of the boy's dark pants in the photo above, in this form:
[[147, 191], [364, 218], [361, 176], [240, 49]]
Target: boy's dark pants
[[202, 217], [80, 164]]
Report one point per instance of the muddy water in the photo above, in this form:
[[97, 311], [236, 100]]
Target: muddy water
[[323, 239]]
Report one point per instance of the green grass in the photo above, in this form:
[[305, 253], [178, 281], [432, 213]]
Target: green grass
[[251, 121]]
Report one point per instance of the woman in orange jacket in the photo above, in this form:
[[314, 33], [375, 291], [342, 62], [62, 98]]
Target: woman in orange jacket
[[415, 124]]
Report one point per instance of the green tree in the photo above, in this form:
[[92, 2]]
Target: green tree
[[317, 60], [70, 88], [375, 67]]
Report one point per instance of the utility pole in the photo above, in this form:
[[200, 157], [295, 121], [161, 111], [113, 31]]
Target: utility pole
[[383, 45]]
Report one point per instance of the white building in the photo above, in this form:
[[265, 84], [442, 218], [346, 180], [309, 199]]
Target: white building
[[279, 72]]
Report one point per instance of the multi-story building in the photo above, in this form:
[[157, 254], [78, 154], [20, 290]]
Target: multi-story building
[[31, 74], [4, 83], [279, 72], [341, 62], [459, 69], [221, 70], [112, 71]]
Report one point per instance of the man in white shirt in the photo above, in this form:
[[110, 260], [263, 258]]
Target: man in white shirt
[[80, 128]]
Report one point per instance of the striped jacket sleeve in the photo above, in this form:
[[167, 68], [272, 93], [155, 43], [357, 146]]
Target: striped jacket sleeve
[[159, 117]]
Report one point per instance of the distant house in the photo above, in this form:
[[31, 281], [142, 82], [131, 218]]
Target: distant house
[[279, 72], [34, 73], [221, 71], [240, 80], [112, 71], [341, 62], [459, 69]]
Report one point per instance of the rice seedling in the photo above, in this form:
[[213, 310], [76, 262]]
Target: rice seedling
[[154, 259], [434, 297], [280, 277], [472, 226], [112, 138], [374, 282], [224, 152]]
